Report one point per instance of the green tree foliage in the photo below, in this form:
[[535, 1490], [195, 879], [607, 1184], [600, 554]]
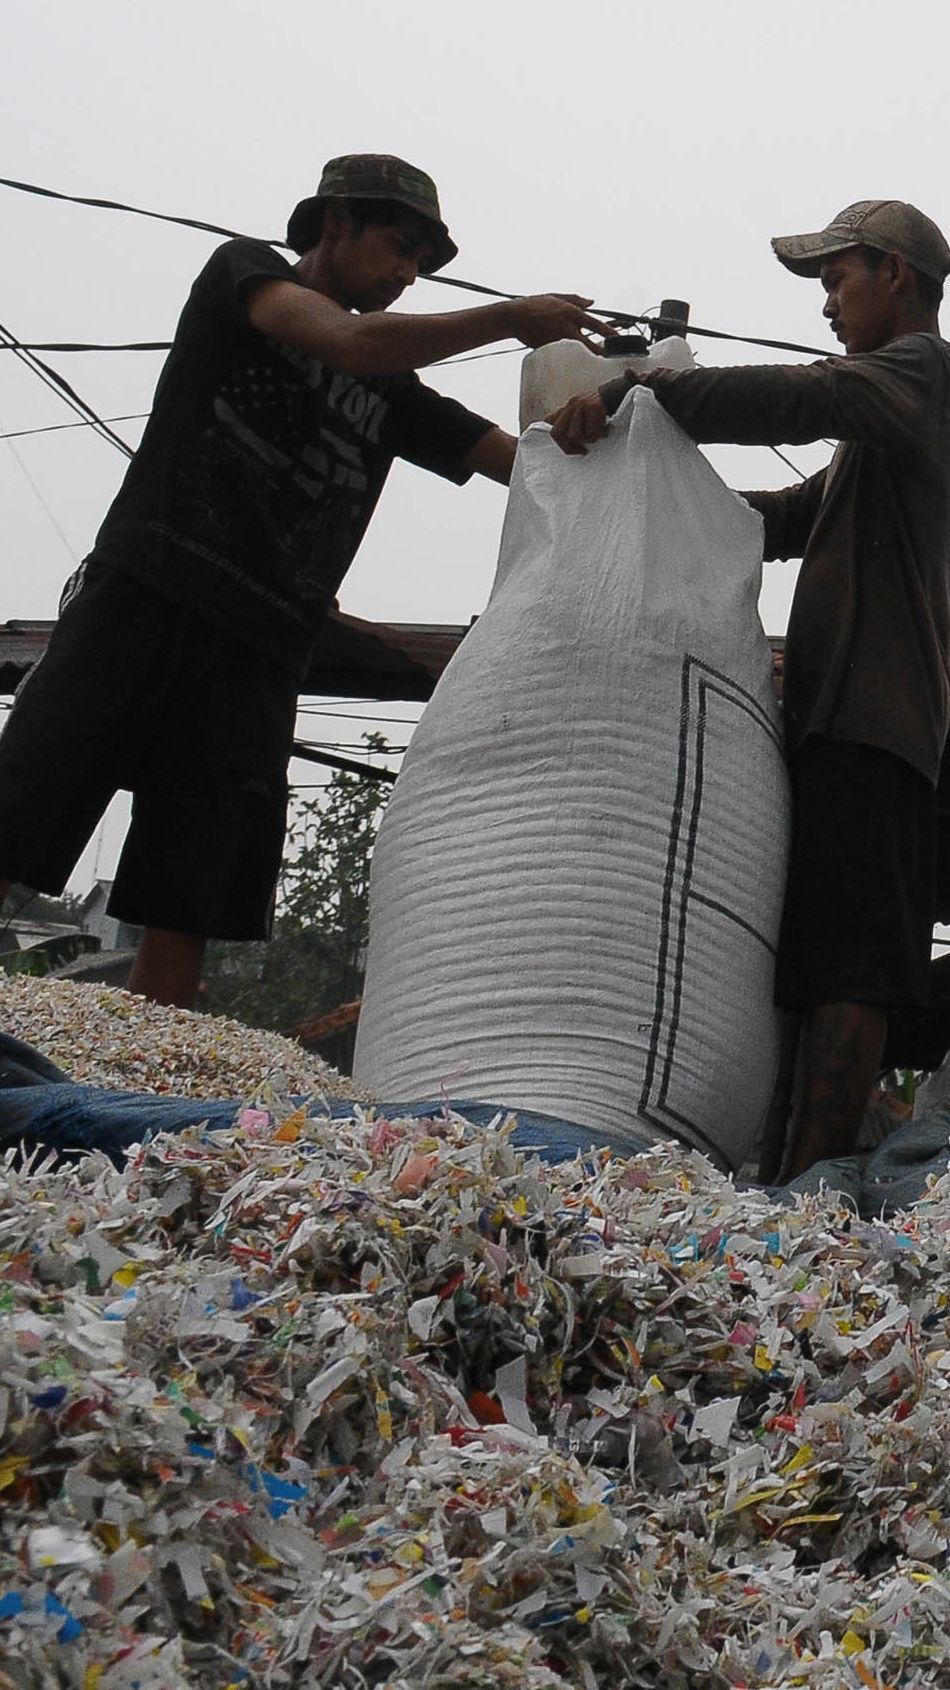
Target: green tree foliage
[[317, 955]]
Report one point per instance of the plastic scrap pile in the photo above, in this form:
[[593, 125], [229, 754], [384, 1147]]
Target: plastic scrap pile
[[104, 1037], [384, 1403]]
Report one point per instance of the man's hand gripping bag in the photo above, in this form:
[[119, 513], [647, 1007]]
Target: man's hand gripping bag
[[578, 881]]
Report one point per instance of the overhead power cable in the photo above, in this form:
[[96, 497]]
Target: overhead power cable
[[119, 205], [55, 428], [89, 346], [355, 716], [140, 416], [40, 497], [347, 764], [27, 350], [165, 346], [61, 387], [723, 334], [343, 747], [799, 472], [624, 318], [472, 287], [471, 357]]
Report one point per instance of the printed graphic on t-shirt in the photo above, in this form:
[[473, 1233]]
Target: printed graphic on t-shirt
[[292, 460], [260, 468]]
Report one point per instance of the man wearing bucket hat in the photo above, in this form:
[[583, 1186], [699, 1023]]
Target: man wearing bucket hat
[[184, 637], [867, 658]]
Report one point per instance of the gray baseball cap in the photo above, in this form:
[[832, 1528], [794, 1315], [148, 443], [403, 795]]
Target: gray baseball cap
[[887, 225]]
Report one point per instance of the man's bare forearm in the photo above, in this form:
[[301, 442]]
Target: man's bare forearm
[[387, 342], [392, 342]]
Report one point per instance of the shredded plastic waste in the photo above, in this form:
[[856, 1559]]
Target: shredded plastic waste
[[386, 1403], [105, 1037]]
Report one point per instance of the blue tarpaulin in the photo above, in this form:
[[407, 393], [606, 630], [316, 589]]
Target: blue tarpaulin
[[40, 1107]]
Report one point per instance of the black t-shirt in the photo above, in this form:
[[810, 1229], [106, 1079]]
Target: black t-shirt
[[260, 467]]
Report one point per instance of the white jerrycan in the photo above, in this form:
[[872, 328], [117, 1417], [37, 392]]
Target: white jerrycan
[[551, 375]]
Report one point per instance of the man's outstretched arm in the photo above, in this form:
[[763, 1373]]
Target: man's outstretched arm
[[391, 342], [884, 398]]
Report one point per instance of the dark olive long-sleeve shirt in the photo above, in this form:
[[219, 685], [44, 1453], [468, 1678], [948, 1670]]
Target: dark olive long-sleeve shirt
[[868, 649]]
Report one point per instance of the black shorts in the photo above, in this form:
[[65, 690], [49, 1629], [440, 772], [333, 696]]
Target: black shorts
[[140, 693], [859, 905]]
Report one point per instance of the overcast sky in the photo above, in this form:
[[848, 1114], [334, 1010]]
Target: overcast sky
[[601, 149]]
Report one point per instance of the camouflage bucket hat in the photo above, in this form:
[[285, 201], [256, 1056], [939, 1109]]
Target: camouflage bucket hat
[[380, 176], [887, 225]]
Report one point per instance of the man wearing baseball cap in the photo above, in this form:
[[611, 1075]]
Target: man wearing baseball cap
[[183, 639], [867, 658]]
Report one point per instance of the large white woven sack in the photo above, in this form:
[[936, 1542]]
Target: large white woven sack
[[577, 884]]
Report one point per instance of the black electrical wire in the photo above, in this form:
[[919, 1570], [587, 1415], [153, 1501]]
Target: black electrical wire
[[41, 500], [88, 346], [7, 344], [331, 698], [674, 323], [345, 746], [470, 357], [799, 472], [626, 319], [118, 205], [59, 385], [353, 716], [141, 416], [165, 346], [27, 350], [56, 428], [621, 317], [347, 764]]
